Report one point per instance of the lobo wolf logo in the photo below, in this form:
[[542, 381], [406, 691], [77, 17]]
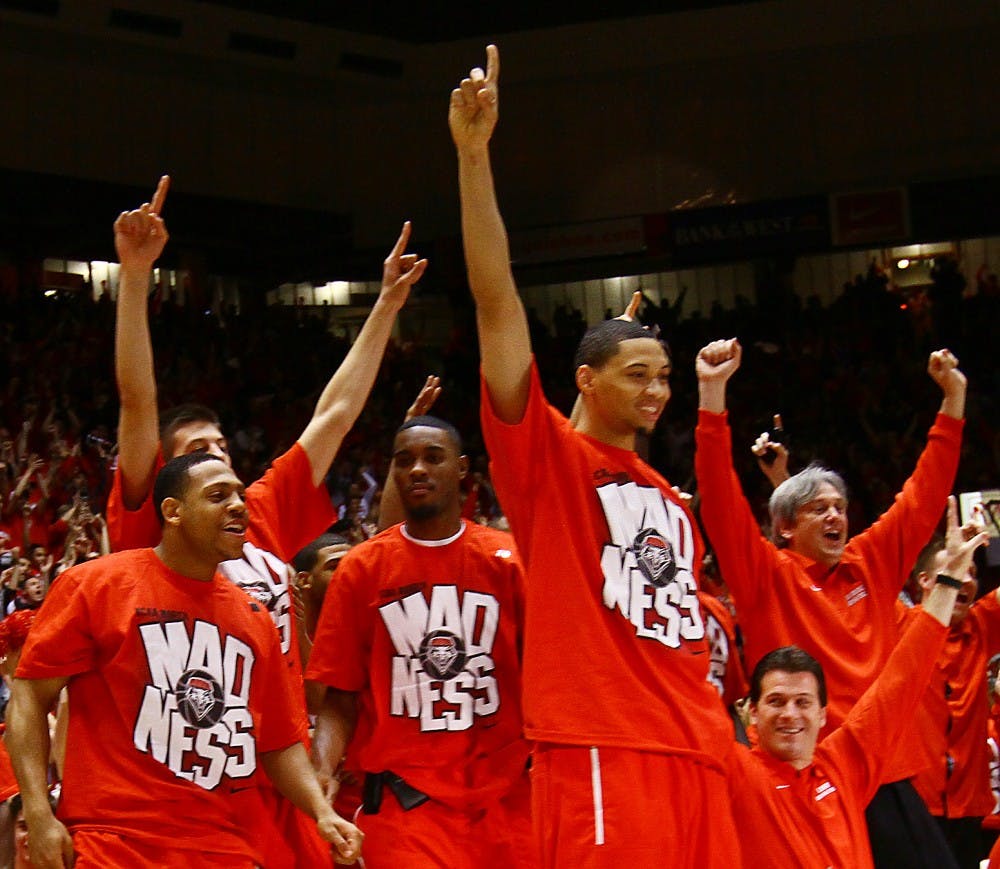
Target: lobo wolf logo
[[442, 654], [654, 555], [199, 698]]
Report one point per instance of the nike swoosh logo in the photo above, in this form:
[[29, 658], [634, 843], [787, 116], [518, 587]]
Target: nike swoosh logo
[[781, 787]]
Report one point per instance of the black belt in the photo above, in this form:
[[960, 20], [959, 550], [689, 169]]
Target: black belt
[[407, 795]]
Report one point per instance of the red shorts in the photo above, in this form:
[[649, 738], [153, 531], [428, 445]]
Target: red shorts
[[97, 850], [615, 807], [285, 836], [436, 836]]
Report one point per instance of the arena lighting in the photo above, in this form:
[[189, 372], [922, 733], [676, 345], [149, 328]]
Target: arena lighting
[[903, 263], [340, 292]]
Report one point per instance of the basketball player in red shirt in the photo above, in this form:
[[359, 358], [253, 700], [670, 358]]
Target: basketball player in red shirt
[[616, 660], [177, 696]]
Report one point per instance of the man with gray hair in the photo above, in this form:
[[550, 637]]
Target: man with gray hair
[[810, 587]]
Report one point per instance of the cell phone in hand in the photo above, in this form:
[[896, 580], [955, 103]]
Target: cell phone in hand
[[776, 434]]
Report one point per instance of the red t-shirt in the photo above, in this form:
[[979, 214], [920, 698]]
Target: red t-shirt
[[954, 714], [726, 669], [615, 651], [286, 512], [428, 632], [814, 818], [845, 617], [175, 687]]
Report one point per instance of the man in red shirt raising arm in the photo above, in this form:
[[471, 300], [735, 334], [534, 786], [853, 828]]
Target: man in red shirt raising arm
[[615, 657], [801, 805], [289, 506], [811, 587]]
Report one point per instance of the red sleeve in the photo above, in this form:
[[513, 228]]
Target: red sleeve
[[60, 642], [294, 511], [890, 547], [8, 783], [281, 723], [746, 559], [518, 452], [342, 648], [864, 744], [132, 529]]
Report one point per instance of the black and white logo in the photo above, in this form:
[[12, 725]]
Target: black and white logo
[[199, 698], [442, 654], [655, 557]]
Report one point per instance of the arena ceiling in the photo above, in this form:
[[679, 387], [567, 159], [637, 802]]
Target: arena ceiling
[[441, 22]]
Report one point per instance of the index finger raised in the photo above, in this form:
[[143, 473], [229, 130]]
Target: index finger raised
[[161, 194], [402, 241], [492, 64]]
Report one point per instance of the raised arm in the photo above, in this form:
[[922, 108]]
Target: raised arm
[[139, 239], [715, 364], [961, 543], [772, 455], [504, 341], [943, 369], [391, 509], [892, 544], [345, 394], [745, 557], [28, 741]]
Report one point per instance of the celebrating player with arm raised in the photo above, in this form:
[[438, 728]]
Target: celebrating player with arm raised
[[612, 614]]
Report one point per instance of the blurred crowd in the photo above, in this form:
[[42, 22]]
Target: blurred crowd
[[848, 380]]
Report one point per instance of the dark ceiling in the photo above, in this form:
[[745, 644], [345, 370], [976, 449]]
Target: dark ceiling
[[416, 22]]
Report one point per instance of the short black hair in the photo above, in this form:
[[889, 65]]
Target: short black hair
[[305, 558], [181, 415], [791, 659], [600, 342], [434, 422], [173, 478]]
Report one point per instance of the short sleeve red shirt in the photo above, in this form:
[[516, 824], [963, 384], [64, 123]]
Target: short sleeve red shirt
[[175, 687], [615, 651], [286, 512], [428, 633]]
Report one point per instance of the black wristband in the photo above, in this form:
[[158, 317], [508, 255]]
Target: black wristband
[[950, 581]]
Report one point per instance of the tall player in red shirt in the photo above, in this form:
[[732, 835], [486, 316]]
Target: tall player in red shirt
[[631, 737], [289, 506]]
